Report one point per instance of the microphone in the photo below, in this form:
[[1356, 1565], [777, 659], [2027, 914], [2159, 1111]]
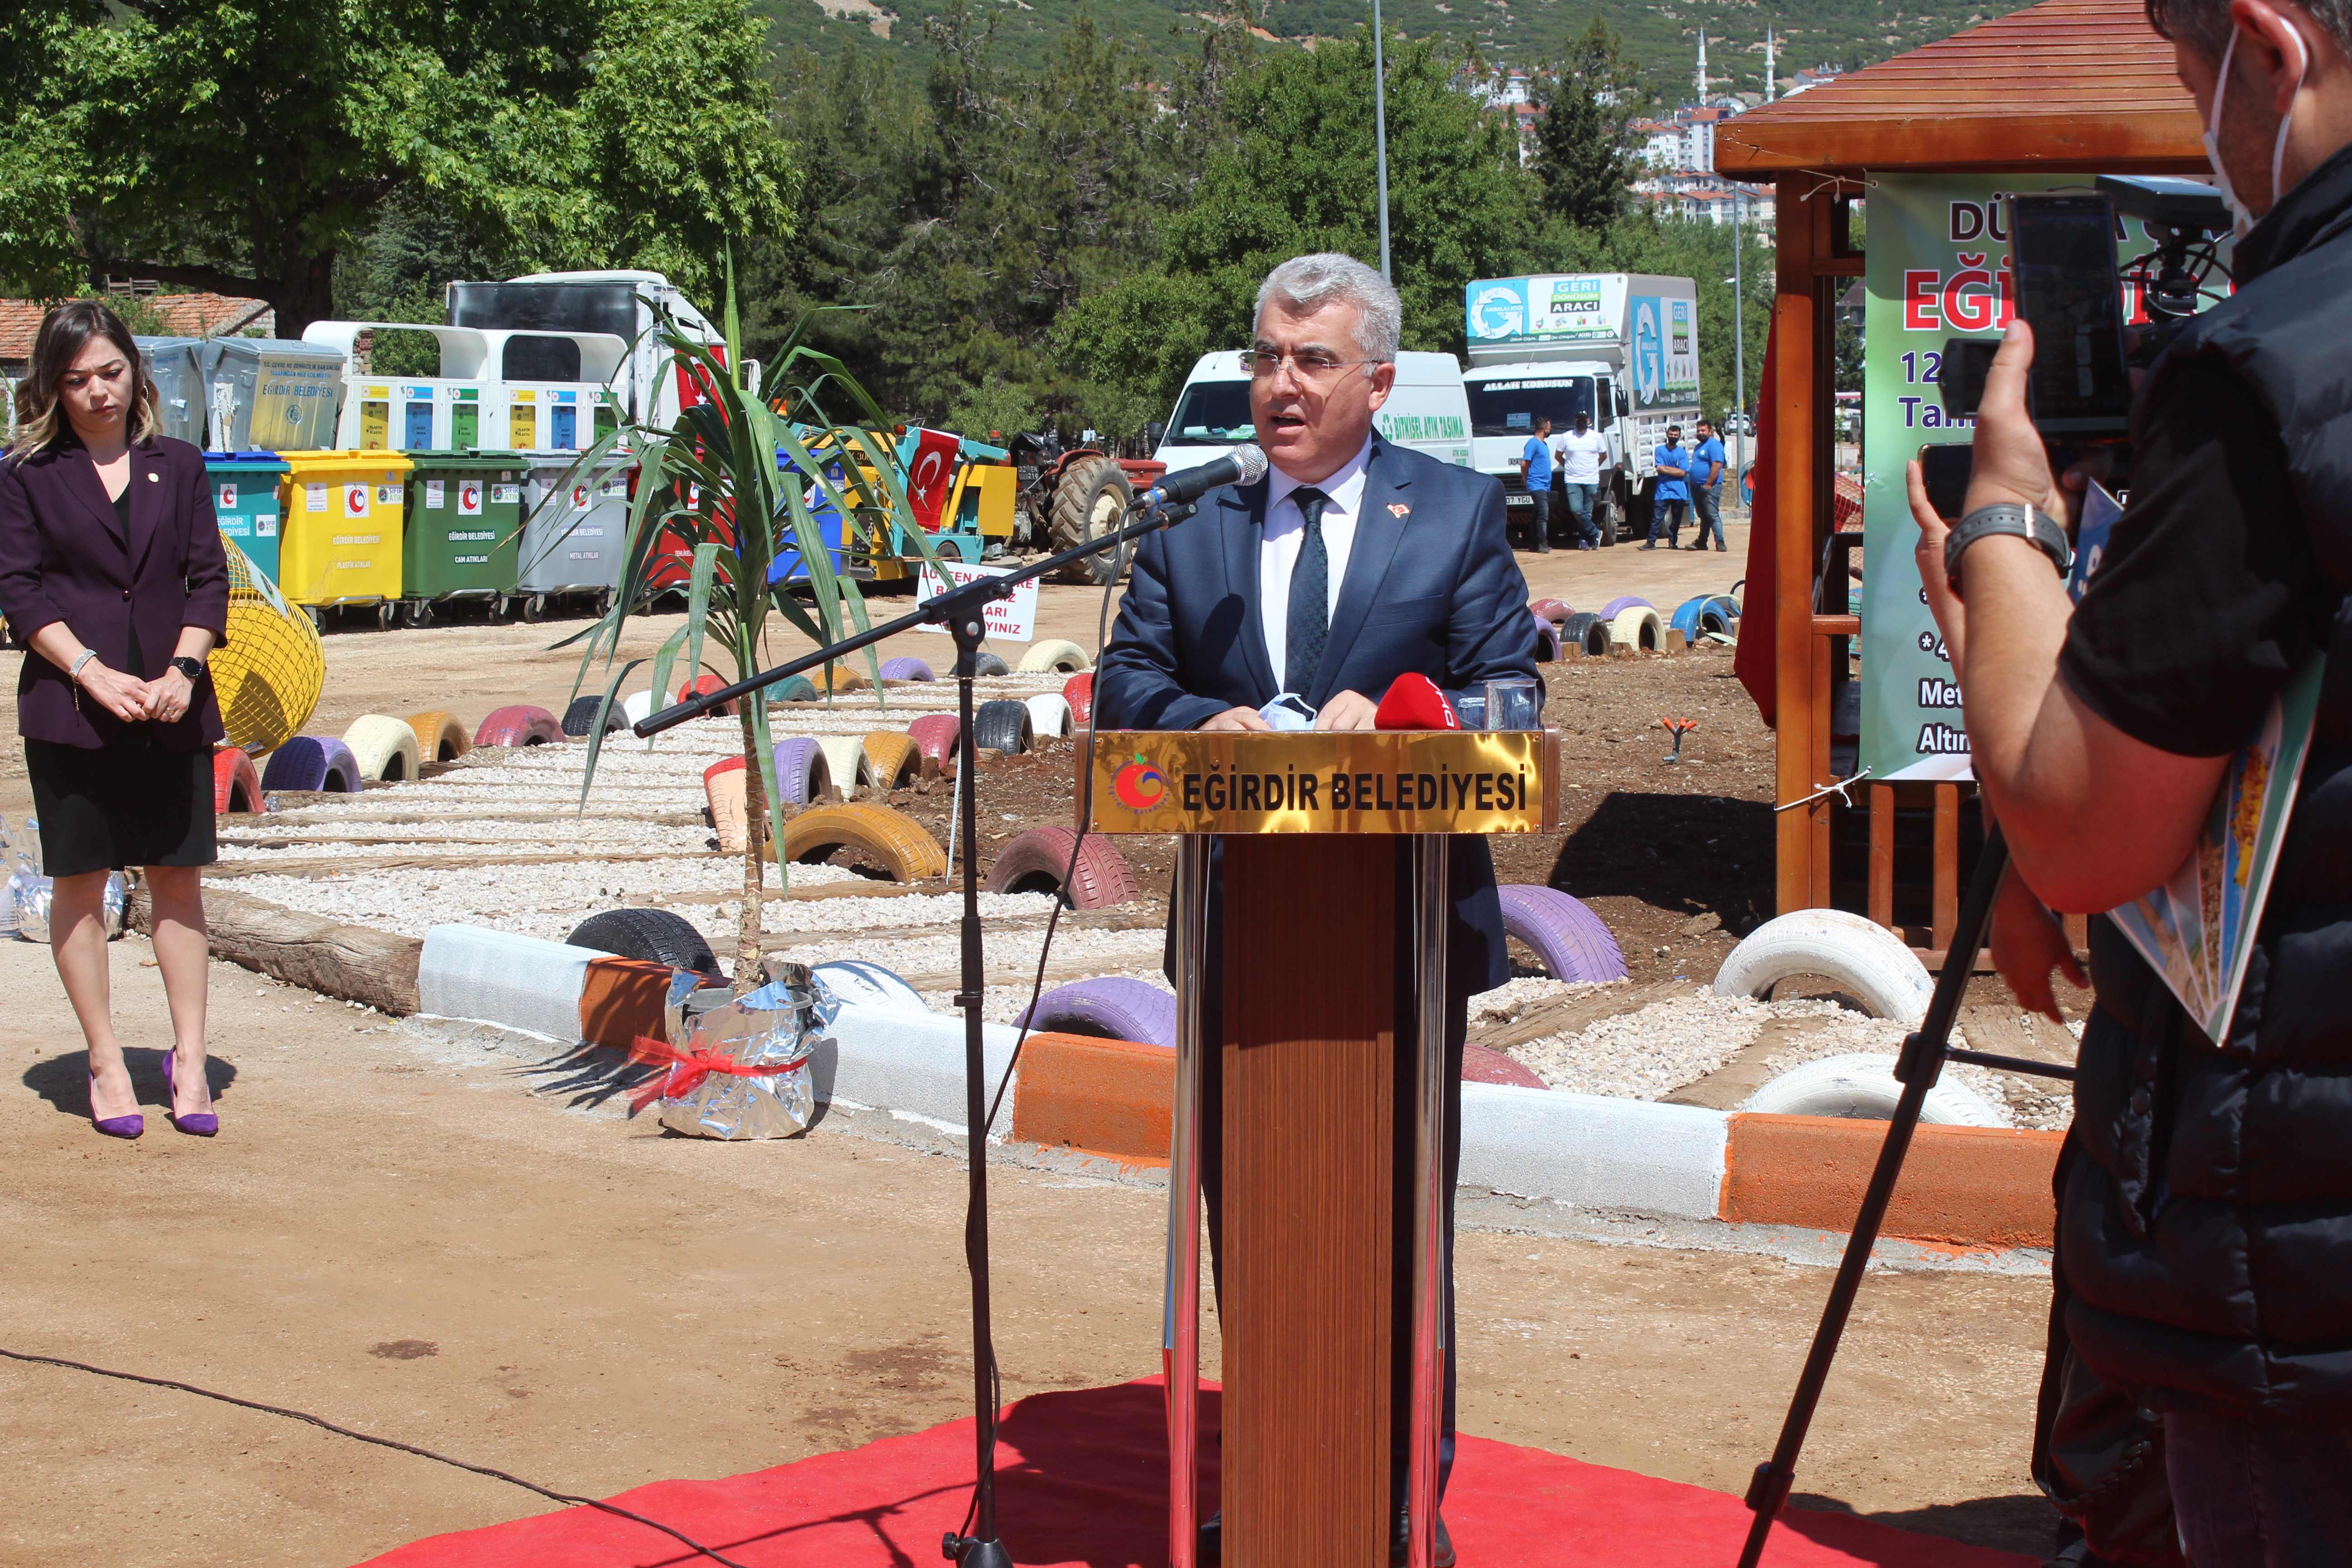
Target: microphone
[[1242, 466]]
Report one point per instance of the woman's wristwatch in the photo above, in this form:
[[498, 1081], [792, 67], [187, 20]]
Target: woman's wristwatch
[[2030, 524], [191, 668]]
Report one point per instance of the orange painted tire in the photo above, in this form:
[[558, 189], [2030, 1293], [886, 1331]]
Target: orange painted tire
[[707, 683], [1036, 861], [893, 758], [440, 738], [1078, 691], [884, 837], [235, 785], [521, 725]]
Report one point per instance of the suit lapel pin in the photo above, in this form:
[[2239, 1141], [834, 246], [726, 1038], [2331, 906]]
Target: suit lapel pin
[[1398, 509], [154, 478]]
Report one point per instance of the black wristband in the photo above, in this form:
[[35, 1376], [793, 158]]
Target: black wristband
[[192, 669], [2045, 532]]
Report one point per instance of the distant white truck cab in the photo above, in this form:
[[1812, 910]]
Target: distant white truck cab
[[1621, 347], [1426, 410]]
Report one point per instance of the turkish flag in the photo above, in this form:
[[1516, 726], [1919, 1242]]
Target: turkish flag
[[929, 475]]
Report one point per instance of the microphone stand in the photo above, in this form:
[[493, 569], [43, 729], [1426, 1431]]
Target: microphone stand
[[963, 610]]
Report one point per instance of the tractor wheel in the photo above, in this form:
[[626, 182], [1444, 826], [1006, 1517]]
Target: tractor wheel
[[1091, 501]]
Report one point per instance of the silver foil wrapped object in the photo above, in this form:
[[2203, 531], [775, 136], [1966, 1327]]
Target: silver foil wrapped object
[[705, 1091], [28, 899]]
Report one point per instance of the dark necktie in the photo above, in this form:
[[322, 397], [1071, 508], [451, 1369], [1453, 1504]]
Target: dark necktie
[[1309, 620]]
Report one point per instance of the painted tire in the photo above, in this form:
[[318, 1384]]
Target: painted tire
[[935, 735], [726, 796], [884, 837], [803, 773], [859, 983], [1638, 627], [845, 760], [1481, 1064], [987, 663], [440, 738], [793, 689], [1685, 617], [1589, 629], [1862, 956], [1569, 939], [1623, 601], [1003, 725], [386, 749], [518, 726], [723, 765], [637, 705], [581, 717], [1111, 1008], [657, 936], [1036, 862], [702, 684], [1056, 654], [907, 669], [1547, 641], [892, 759], [313, 763], [235, 786], [1553, 610], [1049, 716], [1719, 613], [1078, 691], [1862, 1084]]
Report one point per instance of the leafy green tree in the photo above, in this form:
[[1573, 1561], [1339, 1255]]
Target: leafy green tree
[[240, 146], [1584, 155]]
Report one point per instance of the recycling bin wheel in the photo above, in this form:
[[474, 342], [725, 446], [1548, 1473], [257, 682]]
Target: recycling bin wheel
[[318, 618], [417, 614], [534, 607], [385, 611]]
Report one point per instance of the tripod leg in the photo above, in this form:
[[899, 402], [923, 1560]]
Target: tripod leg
[[1922, 1063]]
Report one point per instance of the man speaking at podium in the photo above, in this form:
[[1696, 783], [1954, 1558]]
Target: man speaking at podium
[[1352, 563]]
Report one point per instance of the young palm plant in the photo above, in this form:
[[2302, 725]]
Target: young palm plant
[[733, 478]]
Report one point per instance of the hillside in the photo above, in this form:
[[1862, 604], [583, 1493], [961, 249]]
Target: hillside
[[1663, 38]]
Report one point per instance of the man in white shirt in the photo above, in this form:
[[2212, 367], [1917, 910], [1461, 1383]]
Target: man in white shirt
[[1582, 450]]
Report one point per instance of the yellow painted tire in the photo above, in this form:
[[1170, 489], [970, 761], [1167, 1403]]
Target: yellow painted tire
[[441, 737], [881, 837], [893, 758], [1057, 654], [267, 675], [844, 756], [385, 748]]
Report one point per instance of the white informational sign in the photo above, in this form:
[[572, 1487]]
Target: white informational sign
[[1014, 618], [434, 497], [314, 497]]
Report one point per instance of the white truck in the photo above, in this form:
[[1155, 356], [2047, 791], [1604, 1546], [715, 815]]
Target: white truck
[[1621, 347]]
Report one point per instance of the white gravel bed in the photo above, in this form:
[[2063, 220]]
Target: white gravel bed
[[683, 839], [1649, 1054]]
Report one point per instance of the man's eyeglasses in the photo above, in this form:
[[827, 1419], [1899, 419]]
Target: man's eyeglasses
[[1310, 367]]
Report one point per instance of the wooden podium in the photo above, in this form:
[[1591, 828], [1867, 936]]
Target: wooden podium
[[1308, 823]]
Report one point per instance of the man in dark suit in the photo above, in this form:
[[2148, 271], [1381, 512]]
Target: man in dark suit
[[1352, 562]]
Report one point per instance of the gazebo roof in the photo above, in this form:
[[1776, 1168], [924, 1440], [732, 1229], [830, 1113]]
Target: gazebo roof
[[2066, 84]]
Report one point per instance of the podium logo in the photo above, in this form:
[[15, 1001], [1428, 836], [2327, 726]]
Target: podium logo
[[1138, 785]]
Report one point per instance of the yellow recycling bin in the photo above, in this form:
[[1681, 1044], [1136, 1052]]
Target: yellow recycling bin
[[340, 531]]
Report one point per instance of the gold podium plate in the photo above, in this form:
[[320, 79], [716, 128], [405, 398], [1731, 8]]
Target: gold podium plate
[[1380, 781]]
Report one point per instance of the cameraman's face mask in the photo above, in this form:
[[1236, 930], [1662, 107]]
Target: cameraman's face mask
[[2244, 216]]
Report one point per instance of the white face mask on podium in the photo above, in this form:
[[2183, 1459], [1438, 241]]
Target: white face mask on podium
[[2244, 215]]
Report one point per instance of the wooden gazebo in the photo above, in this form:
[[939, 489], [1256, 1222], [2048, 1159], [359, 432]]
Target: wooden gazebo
[[2064, 86]]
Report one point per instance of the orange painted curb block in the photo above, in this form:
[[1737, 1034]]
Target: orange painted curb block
[[621, 998], [1961, 1186], [1099, 1097]]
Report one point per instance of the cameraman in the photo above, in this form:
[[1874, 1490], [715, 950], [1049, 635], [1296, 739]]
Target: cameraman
[[2206, 1230]]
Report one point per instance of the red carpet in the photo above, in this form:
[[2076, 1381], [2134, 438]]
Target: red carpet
[[1083, 1483]]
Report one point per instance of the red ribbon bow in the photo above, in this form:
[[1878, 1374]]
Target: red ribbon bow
[[687, 1068]]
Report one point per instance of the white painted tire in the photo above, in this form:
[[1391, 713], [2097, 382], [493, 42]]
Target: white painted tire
[[1049, 715], [1862, 956], [859, 983], [846, 760], [1057, 654], [1862, 1085], [637, 706], [1638, 627], [384, 748]]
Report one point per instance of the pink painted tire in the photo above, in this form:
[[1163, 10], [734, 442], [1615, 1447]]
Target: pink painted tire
[[1482, 1065], [1553, 610], [235, 786], [519, 725], [1036, 862], [934, 735], [1078, 691]]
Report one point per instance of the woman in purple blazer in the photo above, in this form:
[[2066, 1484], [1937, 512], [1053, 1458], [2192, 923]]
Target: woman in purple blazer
[[112, 572]]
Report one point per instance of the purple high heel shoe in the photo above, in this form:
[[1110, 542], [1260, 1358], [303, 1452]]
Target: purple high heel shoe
[[115, 1126], [200, 1123]]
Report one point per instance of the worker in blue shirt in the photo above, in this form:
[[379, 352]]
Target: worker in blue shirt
[[1535, 467], [1706, 485], [1671, 494]]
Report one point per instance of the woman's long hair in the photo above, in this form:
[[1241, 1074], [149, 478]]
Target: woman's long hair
[[66, 331]]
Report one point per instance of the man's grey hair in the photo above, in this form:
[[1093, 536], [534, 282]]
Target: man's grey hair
[[2204, 25], [1309, 282]]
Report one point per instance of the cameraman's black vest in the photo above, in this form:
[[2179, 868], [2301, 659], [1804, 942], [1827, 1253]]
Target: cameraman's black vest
[[2208, 1235]]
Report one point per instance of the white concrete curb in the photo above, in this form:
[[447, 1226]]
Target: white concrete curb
[[910, 1064], [495, 977], [1595, 1152]]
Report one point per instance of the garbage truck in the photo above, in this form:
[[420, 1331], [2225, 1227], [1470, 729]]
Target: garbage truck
[[1621, 347]]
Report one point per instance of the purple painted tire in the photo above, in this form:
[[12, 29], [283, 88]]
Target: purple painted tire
[[1547, 641], [521, 725], [1624, 602], [802, 771], [1114, 1008], [313, 763], [1568, 936], [907, 669]]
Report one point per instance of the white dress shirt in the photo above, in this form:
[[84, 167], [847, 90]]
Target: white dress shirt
[[1285, 531]]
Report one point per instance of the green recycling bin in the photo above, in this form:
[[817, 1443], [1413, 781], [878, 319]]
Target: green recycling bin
[[245, 502], [465, 518]]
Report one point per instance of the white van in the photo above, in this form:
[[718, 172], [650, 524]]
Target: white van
[[1426, 410]]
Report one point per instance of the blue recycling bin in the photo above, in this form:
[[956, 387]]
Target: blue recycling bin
[[787, 564], [244, 488]]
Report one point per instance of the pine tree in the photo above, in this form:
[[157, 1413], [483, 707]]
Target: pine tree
[[1584, 154]]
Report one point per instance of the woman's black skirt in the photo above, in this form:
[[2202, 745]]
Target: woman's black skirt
[[106, 808]]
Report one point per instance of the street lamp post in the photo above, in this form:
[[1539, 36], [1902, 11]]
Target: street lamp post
[[1380, 135], [1738, 345]]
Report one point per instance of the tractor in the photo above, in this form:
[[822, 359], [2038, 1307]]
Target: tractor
[[1068, 495]]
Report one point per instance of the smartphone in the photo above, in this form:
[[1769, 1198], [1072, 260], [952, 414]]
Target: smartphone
[[1961, 380], [2063, 248], [1946, 465]]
